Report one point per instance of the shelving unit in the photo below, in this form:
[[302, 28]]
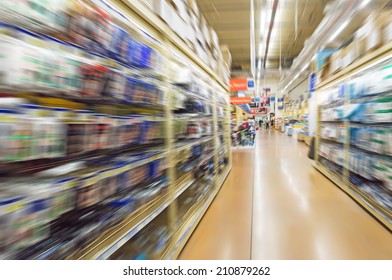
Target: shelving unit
[[137, 18], [369, 187]]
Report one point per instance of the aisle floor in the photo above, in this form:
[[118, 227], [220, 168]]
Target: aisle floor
[[275, 205]]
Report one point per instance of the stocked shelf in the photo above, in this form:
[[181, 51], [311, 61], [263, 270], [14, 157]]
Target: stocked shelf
[[107, 131], [192, 219], [145, 13], [363, 200], [111, 241], [365, 61], [355, 153]]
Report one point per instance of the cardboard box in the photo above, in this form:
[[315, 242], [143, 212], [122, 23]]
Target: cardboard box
[[163, 9], [387, 33], [214, 38], [335, 62], [194, 19], [226, 55], [192, 5], [181, 7], [373, 29], [205, 30]]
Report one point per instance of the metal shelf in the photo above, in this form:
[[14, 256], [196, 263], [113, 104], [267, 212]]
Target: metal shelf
[[113, 239], [192, 220]]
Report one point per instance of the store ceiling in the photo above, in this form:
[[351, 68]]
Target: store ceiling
[[231, 20]]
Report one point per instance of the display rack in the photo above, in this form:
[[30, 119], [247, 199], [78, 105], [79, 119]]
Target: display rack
[[136, 17], [357, 168]]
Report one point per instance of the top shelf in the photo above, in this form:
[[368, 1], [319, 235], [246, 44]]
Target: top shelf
[[378, 54], [149, 17]]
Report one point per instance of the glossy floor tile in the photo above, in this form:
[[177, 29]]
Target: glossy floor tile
[[297, 212], [224, 233]]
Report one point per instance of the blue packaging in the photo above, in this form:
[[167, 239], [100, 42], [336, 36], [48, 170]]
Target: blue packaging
[[119, 44], [145, 57], [133, 53]]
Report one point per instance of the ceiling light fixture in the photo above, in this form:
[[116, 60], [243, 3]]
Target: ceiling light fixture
[[340, 29], [364, 4], [305, 67]]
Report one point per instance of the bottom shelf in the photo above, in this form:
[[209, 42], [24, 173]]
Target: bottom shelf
[[358, 196], [192, 219]]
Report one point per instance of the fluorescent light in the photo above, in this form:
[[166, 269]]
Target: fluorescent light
[[304, 68], [364, 4], [340, 29]]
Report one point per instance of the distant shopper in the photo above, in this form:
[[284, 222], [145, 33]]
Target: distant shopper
[[266, 124], [260, 122]]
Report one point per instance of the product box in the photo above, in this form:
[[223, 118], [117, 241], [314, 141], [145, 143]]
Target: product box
[[181, 8], [205, 30], [214, 38], [226, 55], [335, 62], [190, 38], [194, 19], [192, 5], [387, 33], [163, 9], [373, 29]]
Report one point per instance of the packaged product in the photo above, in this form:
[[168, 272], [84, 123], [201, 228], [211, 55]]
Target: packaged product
[[16, 136], [12, 219], [118, 43], [87, 193], [116, 83], [108, 182]]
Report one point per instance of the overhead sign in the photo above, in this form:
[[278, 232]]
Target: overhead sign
[[280, 103], [242, 84], [239, 84], [251, 84], [240, 100]]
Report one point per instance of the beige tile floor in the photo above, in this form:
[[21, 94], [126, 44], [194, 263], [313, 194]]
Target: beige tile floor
[[275, 205]]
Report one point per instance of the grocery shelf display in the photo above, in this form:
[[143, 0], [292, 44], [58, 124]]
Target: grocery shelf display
[[353, 144], [111, 128]]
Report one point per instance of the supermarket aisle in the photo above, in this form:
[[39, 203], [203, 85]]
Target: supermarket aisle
[[297, 212], [225, 230], [300, 214]]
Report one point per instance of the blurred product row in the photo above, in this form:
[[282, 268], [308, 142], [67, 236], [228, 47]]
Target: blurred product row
[[103, 129], [355, 135]]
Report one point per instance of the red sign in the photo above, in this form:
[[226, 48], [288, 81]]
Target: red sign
[[239, 84], [254, 111], [240, 100]]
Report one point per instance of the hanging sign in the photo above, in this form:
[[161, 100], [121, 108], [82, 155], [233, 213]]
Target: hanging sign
[[240, 100], [280, 103], [239, 84], [251, 84]]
